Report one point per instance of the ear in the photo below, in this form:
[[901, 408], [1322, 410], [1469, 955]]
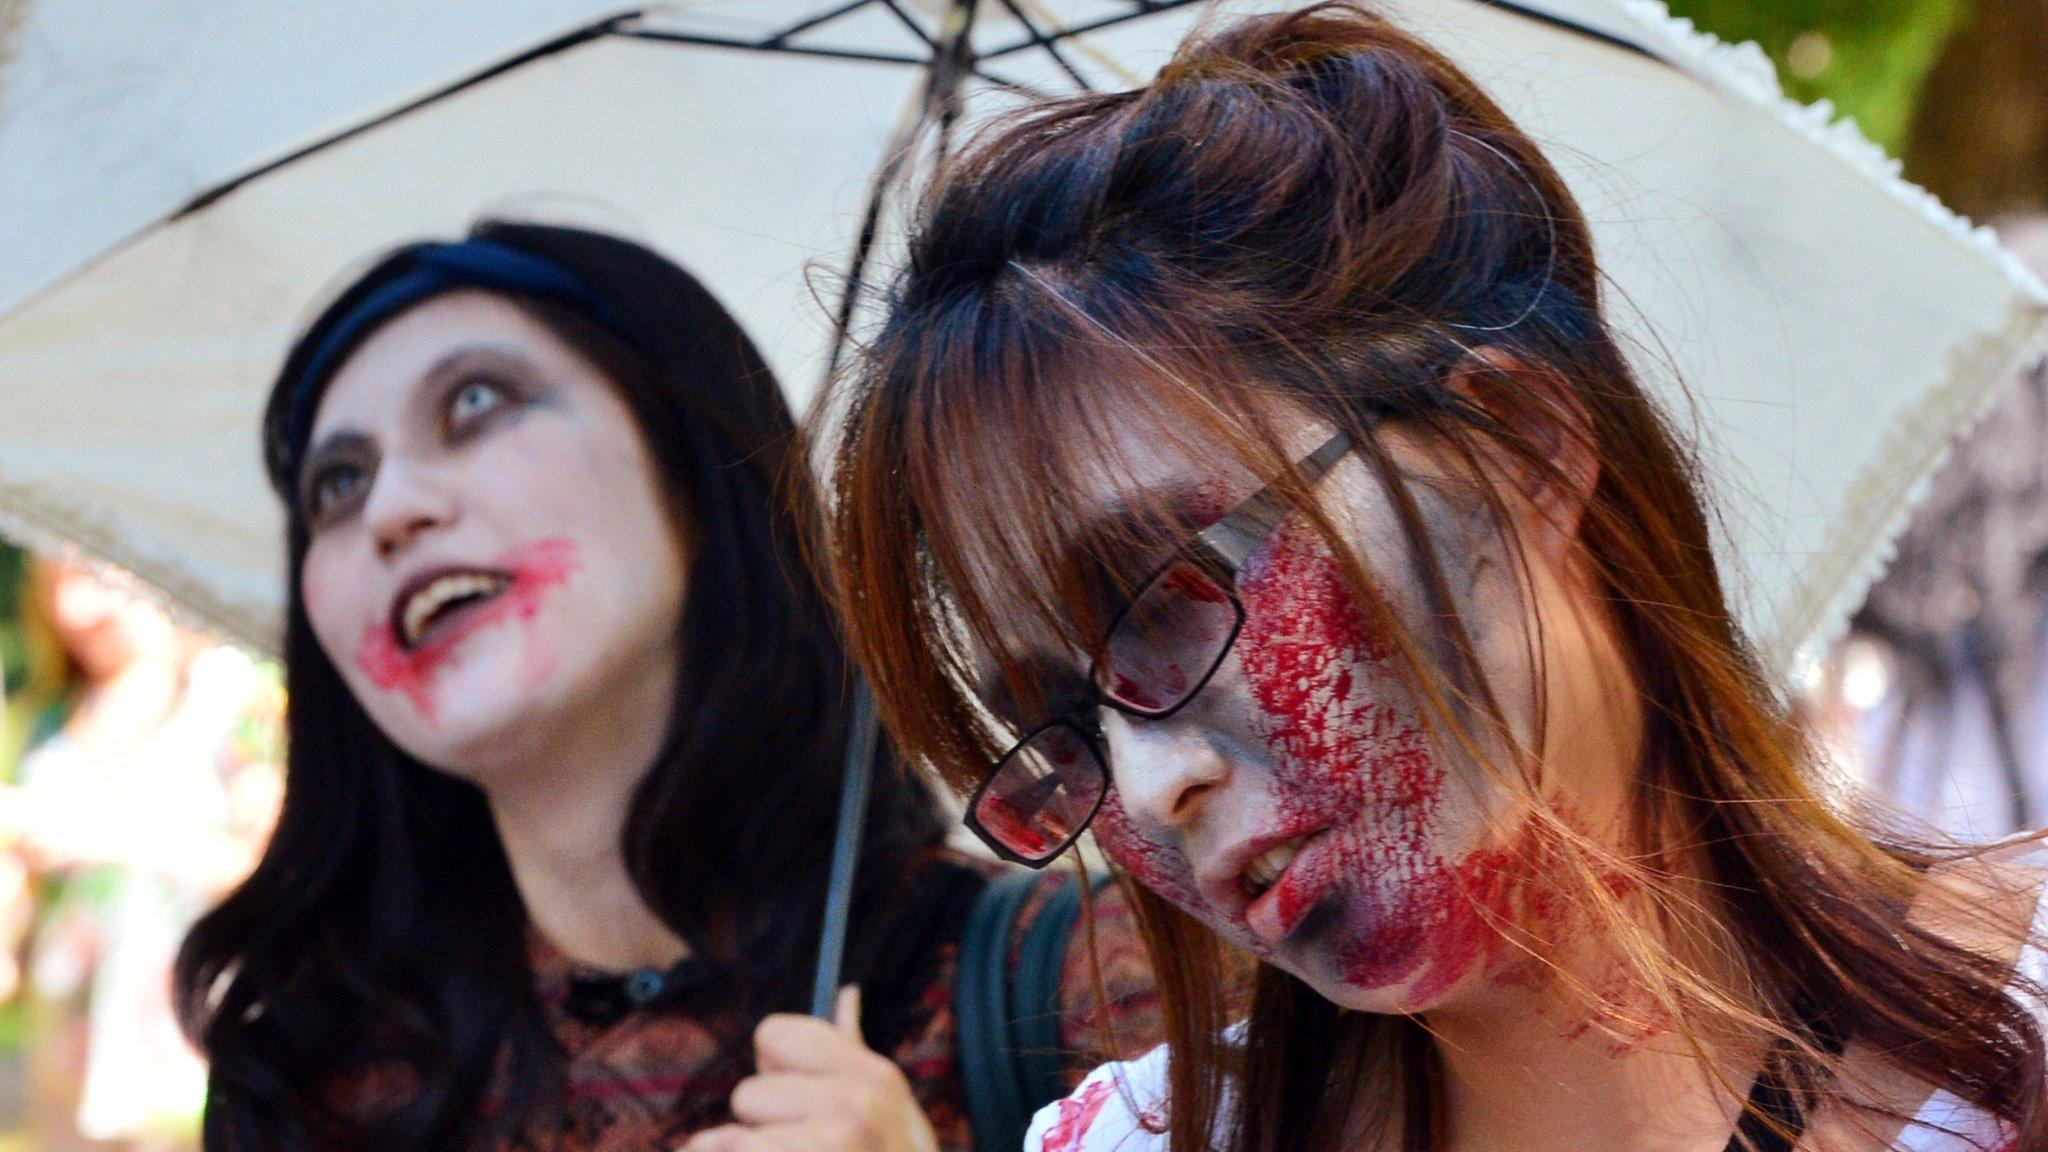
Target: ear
[[1544, 446]]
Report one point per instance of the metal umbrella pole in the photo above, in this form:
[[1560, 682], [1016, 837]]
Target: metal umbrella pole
[[861, 739], [952, 63]]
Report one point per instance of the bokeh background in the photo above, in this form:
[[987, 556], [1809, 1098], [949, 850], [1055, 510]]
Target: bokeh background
[[139, 760]]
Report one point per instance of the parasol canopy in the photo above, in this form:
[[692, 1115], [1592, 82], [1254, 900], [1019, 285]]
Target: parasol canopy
[[186, 183]]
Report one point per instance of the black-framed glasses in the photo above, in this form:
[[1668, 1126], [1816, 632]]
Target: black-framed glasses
[[1157, 654]]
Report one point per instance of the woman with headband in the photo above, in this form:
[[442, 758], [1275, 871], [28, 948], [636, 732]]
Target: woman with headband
[[566, 722], [1246, 471]]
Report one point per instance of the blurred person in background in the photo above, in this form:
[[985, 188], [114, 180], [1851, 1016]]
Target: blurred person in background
[[149, 783]]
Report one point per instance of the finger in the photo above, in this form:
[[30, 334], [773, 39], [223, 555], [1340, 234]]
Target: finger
[[829, 1134], [783, 1097], [729, 1138], [846, 1014], [790, 1043]]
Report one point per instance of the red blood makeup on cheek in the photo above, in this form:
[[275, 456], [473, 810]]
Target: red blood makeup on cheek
[[1346, 742], [535, 569], [1157, 866]]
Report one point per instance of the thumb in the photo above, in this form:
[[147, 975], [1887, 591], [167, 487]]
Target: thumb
[[846, 1012]]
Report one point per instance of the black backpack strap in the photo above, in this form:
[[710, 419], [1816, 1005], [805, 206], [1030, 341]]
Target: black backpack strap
[[1008, 1040]]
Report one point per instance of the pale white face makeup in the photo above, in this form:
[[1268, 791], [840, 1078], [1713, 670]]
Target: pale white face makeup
[[492, 559], [1299, 804]]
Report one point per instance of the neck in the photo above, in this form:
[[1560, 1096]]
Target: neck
[[1577, 1056], [1535, 1067], [561, 819]]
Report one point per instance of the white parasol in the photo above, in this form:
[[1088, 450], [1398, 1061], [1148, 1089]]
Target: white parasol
[[185, 181]]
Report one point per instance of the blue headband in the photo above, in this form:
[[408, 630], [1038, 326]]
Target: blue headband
[[439, 268]]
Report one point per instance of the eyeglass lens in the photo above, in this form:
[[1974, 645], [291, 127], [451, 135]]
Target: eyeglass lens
[[1167, 643], [1158, 654], [1042, 795]]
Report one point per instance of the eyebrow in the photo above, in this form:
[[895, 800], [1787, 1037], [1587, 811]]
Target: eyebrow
[[456, 363], [338, 442], [1230, 529], [993, 688], [1140, 524], [469, 358]]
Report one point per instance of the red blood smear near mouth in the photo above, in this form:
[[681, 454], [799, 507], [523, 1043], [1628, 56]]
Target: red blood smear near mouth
[[535, 568], [1332, 707], [1153, 865], [1443, 925]]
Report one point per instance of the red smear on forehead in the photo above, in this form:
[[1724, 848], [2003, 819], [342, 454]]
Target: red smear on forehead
[[535, 569]]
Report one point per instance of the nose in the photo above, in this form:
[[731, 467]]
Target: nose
[[1165, 770], [402, 506]]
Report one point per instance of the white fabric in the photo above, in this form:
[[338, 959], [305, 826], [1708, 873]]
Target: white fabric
[[113, 117], [1120, 1107], [1833, 326]]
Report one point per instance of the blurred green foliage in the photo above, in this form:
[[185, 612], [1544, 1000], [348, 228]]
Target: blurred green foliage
[[13, 576], [1867, 56]]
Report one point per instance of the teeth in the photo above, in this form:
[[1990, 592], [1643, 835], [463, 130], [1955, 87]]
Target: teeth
[[1266, 868], [422, 606]]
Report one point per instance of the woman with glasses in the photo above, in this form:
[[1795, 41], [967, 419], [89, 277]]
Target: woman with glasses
[[1246, 473], [566, 725]]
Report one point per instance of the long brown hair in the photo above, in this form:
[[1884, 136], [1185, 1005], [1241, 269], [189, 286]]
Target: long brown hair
[[1317, 209]]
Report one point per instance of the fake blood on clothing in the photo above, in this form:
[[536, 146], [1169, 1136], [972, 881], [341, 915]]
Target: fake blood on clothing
[[1077, 1114]]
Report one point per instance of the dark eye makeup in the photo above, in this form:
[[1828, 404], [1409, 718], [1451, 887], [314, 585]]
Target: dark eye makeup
[[1057, 687], [336, 477], [466, 394], [477, 398]]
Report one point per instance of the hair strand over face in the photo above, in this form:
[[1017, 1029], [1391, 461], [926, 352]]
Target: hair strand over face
[[1315, 212]]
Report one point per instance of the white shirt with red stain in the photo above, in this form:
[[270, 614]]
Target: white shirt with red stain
[[1121, 1107]]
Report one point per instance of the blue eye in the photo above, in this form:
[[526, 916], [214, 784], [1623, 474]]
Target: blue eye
[[333, 487], [475, 399]]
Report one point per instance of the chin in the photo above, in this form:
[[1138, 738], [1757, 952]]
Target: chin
[[1406, 968], [478, 726], [1400, 1000], [477, 748], [470, 743]]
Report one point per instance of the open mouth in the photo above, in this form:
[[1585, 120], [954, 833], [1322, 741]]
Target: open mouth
[[1267, 867], [1286, 883], [438, 603]]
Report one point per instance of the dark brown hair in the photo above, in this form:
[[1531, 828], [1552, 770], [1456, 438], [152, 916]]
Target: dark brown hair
[[1318, 210], [381, 933]]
